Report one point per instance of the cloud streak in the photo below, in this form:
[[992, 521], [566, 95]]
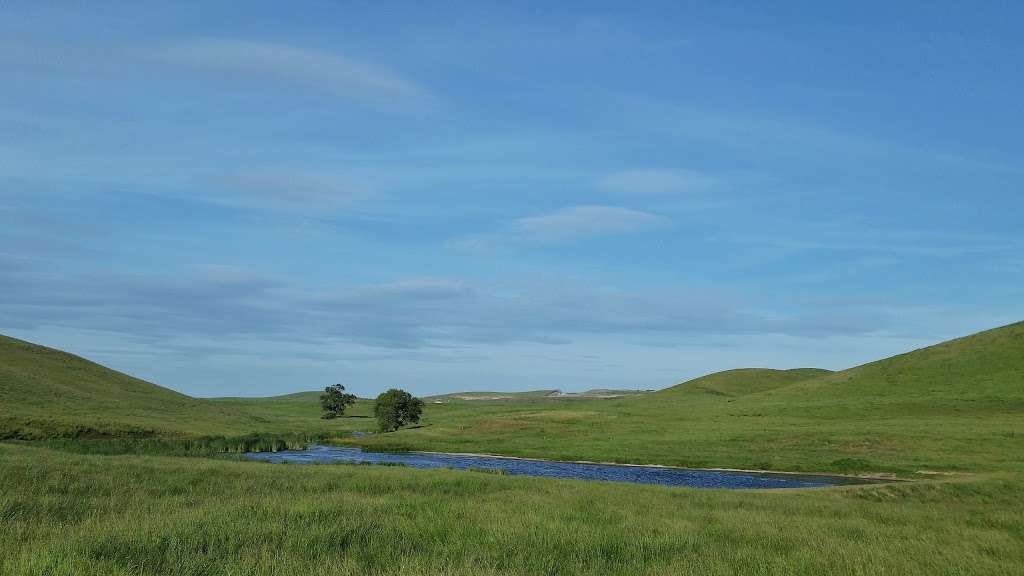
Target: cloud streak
[[566, 225], [289, 191], [312, 69], [226, 303], [582, 221]]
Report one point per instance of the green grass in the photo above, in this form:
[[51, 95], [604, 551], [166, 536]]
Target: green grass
[[958, 406], [745, 381], [301, 411], [64, 514], [956, 409], [46, 393]]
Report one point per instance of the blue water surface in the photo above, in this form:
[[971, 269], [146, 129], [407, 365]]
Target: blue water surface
[[552, 469]]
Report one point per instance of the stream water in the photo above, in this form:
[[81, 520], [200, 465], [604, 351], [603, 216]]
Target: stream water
[[555, 469]]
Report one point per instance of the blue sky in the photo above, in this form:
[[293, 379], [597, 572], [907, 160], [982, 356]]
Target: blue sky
[[259, 198]]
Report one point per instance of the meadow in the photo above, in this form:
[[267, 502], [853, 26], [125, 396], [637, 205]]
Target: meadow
[[66, 514], [948, 418]]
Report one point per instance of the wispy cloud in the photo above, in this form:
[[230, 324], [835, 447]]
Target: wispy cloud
[[657, 182], [289, 191], [581, 221], [324, 71], [565, 225], [221, 303]]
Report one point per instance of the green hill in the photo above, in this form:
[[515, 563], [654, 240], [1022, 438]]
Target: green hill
[[955, 406], [743, 381], [478, 396], [299, 411], [948, 416], [984, 371], [552, 394], [47, 393]]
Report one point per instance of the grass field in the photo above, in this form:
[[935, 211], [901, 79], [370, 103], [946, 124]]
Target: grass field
[[951, 417], [958, 406], [72, 514]]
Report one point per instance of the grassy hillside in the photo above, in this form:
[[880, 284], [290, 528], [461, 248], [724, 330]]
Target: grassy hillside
[[483, 396], [743, 381], [983, 372], [47, 393], [300, 411], [952, 408], [955, 406], [532, 395]]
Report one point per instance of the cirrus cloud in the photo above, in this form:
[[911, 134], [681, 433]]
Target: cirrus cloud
[[289, 191], [581, 221], [565, 225], [324, 71]]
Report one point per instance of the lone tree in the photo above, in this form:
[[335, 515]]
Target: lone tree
[[334, 401], [396, 408]]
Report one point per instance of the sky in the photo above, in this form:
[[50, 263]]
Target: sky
[[257, 198]]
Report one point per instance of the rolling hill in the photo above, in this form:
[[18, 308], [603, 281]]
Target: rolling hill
[[49, 393], [299, 411], [46, 392], [552, 394], [982, 370], [949, 416], [743, 381], [955, 406]]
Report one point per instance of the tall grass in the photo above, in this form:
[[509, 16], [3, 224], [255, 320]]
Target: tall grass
[[198, 446], [71, 514]]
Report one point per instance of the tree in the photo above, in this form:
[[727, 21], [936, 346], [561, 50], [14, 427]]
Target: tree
[[334, 401], [396, 408]]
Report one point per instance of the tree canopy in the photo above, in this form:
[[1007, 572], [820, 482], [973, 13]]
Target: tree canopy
[[334, 400], [396, 408]]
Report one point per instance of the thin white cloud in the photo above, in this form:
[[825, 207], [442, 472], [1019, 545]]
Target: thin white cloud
[[564, 225], [582, 221], [324, 71], [657, 182], [290, 191], [223, 301]]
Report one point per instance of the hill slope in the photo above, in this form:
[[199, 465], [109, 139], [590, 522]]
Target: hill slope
[[743, 381], [985, 369], [46, 392], [299, 411], [955, 406]]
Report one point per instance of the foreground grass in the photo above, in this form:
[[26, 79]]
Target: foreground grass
[[66, 514]]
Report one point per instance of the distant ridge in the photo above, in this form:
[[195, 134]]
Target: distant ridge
[[535, 394], [46, 392]]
